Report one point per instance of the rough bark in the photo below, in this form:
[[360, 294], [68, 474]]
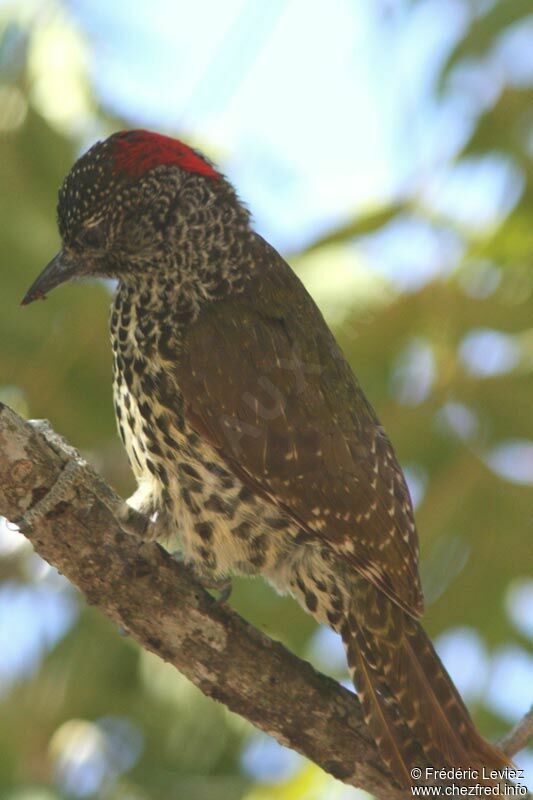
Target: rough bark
[[63, 508]]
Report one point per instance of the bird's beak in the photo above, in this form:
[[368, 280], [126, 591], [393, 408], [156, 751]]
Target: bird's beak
[[60, 269]]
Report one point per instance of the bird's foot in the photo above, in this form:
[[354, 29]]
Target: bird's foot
[[141, 525], [223, 586], [76, 471]]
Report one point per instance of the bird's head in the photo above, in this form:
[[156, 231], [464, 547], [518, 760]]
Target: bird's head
[[126, 201]]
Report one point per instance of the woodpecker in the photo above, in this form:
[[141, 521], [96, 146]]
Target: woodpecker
[[251, 441]]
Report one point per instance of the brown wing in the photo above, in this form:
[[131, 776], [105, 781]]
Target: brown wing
[[264, 381]]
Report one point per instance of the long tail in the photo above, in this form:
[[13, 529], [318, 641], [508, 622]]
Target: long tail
[[409, 701]]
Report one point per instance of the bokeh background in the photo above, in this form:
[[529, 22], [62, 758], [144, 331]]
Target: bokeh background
[[386, 148]]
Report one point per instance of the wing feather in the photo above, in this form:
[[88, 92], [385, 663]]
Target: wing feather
[[264, 381]]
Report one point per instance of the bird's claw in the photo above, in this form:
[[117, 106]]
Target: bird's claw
[[223, 586], [138, 524]]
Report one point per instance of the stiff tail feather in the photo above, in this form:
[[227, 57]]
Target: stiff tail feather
[[409, 701]]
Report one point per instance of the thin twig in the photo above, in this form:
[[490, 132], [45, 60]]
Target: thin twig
[[519, 737]]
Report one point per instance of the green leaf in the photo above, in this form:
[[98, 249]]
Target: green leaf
[[362, 225], [484, 30]]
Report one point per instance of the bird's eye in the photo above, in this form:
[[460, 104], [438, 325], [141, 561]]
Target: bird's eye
[[91, 237]]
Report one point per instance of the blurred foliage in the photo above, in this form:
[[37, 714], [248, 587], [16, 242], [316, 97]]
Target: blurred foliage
[[448, 366]]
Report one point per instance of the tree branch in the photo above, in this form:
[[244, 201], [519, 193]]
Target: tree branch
[[64, 509]]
